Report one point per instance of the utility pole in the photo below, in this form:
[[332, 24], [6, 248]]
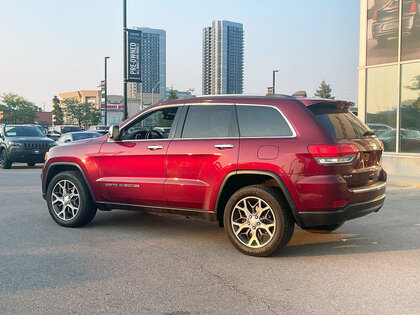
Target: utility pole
[[125, 57], [106, 93], [141, 95], [274, 81], [153, 90]]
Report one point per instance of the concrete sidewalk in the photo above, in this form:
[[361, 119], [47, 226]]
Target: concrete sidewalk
[[411, 181]]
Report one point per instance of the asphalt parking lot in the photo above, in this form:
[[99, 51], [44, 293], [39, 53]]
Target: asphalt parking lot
[[129, 262]]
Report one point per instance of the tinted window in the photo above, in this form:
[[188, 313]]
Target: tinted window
[[213, 121], [70, 129], [85, 135], [340, 122], [23, 131], [262, 121], [410, 108]]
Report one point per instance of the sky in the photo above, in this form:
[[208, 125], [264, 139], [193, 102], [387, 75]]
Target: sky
[[53, 46]]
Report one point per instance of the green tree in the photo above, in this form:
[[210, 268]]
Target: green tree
[[17, 109], [416, 83], [57, 112], [172, 95], [324, 91], [82, 114]]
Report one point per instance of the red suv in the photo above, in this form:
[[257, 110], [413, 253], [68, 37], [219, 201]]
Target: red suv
[[257, 165]]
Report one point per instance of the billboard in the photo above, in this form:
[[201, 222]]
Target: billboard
[[133, 56], [410, 30], [382, 31], [384, 27]]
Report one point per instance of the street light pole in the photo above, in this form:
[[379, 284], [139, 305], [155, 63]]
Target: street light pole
[[274, 81], [125, 57], [106, 93], [153, 90]]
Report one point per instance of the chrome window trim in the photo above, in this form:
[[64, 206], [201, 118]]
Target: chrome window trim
[[215, 138], [139, 140]]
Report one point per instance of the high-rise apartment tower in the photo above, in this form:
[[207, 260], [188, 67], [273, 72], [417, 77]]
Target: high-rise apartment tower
[[223, 58]]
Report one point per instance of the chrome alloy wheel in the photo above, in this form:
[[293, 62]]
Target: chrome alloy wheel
[[65, 200], [253, 222]]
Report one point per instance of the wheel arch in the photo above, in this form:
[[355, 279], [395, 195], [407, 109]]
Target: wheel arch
[[59, 167], [238, 179]]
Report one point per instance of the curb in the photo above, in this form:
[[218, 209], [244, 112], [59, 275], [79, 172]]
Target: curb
[[407, 184]]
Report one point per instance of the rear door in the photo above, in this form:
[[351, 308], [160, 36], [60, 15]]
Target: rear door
[[346, 128], [201, 155]]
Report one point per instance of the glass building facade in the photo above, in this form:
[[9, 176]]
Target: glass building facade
[[389, 79]]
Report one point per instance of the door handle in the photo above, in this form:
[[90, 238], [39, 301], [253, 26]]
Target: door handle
[[224, 146], [155, 147]]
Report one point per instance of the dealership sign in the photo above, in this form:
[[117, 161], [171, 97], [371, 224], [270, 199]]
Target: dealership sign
[[133, 55]]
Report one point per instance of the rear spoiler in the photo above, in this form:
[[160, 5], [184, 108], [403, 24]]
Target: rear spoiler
[[337, 103]]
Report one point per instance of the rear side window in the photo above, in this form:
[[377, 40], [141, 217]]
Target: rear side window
[[340, 122], [262, 121], [210, 121]]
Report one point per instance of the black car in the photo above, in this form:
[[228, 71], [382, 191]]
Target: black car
[[76, 136], [386, 20], [22, 143]]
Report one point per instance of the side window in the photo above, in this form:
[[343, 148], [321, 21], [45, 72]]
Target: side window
[[210, 121], [262, 121], [155, 125]]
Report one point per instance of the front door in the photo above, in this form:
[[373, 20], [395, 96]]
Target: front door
[[132, 169], [205, 152]]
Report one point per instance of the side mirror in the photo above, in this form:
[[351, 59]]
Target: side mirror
[[67, 140], [114, 132]]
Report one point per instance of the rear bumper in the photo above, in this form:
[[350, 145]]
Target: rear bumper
[[390, 28], [351, 211]]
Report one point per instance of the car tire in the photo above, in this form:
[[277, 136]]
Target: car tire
[[4, 161], [257, 220], [324, 229], [69, 201], [31, 164], [382, 41]]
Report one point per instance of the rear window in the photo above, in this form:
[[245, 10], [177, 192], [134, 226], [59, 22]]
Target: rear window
[[85, 135], [340, 122], [70, 129]]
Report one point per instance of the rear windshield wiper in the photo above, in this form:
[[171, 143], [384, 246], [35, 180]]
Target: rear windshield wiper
[[369, 133]]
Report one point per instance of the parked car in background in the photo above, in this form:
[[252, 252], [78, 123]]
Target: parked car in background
[[22, 143], [386, 20], [61, 129], [53, 136], [75, 136], [99, 128], [258, 165], [379, 128], [409, 138]]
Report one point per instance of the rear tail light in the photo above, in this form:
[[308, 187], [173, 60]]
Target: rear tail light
[[333, 153], [413, 7], [375, 16]]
